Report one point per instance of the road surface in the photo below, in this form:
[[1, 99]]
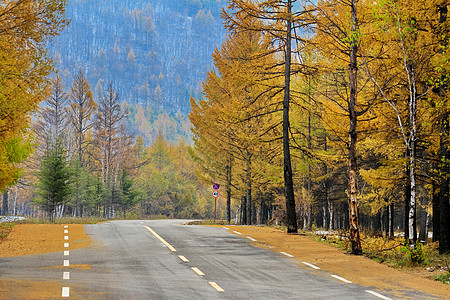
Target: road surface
[[165, 259]]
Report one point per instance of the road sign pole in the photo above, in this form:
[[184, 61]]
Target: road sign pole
[[215, 204], [215, 195]]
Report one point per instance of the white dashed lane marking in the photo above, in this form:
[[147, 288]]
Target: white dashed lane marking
[[378, 295], [65, 292], [66, 275], [250, 238], [341, 279], [237, 232], [311, 265], [287, 254]]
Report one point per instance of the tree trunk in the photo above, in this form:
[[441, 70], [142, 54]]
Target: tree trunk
[[423, 233], [444, 207], [5, 203], [228, 187], [352, 166], [412, 228], [407, 199], [436, 213], [249, 190], [288, 180]]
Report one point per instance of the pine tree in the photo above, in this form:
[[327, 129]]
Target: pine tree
[[54, 178]]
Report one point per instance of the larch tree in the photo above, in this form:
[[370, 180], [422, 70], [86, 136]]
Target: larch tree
[[53, 124], [281, 23], [402, 77], [108, 130], [81, 109], [26, 28], [339, 37]]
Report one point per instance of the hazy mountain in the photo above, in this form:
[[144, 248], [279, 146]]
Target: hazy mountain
[[155, 52]]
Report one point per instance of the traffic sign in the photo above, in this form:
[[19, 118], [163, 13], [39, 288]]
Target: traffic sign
[[216, 186], [215, 194]]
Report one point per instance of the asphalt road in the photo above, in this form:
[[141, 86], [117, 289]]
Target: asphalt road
[[167, 260]]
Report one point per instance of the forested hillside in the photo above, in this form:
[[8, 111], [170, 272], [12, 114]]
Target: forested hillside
[[155, 52]]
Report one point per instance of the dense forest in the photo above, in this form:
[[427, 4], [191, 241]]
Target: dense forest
[[156, 52], [329, 114]]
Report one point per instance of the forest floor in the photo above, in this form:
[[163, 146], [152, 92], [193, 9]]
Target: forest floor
[[28, 239]]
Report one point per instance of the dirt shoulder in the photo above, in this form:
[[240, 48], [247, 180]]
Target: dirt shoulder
[[357, 269], [28, 239]]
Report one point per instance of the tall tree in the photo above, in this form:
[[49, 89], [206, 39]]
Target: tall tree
[[280, 22], [26, 28], [53, 124], [110, 137], [54, 178], [81, 108]]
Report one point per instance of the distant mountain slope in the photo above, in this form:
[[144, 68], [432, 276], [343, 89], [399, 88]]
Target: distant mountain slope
[[155, 52]]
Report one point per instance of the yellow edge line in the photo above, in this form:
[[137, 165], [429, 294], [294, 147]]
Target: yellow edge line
[[216, 286], [160, 238], [197, 270]]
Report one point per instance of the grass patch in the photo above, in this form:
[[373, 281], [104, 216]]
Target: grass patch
[[5, 229], [444, 278]]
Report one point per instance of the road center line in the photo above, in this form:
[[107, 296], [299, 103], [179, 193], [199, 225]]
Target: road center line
[[66, 237], [66, 226], [65, 292], [341, 279], [251, 239], [66, 245], [226, 228], [311, 265], [237, 232], [378, 295], [216, 286], [66, 253], [66, 275], [184, 259], [160, 238], [66, 231], [66, 263], [196, 270], [287, 254]]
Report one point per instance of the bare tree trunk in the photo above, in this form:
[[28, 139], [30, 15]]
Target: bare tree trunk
[[435, 213], [444, 209], [352, 166], [5, 203], [228, 187], [249, 190], [288, 180]]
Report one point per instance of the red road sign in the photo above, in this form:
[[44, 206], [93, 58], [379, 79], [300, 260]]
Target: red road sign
[[215, 194]]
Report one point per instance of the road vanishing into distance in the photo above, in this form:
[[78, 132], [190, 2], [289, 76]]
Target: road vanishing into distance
[[165, 259]]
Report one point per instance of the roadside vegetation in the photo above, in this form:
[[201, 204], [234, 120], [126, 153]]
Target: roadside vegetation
[[394, 252]]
